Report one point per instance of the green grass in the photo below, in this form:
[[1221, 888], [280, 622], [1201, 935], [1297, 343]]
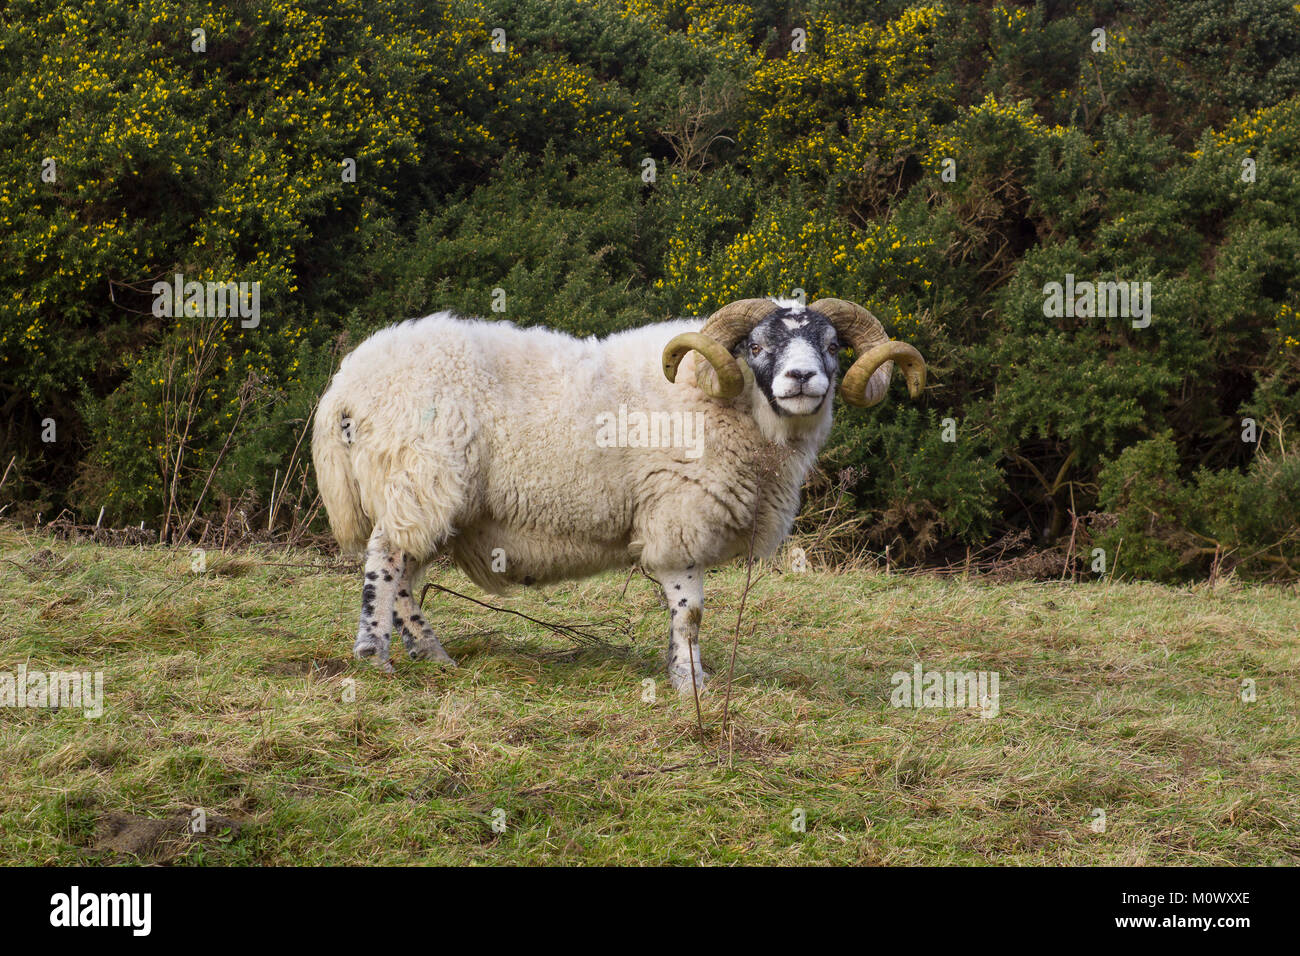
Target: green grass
[[226, 691]]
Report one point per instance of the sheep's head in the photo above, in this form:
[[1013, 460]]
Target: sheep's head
[[791, 352], [794, 357]]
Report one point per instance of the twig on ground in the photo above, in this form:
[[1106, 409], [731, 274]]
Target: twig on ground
[[578, 633]]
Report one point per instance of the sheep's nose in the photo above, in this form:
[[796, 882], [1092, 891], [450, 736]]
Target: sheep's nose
[[799, 375]]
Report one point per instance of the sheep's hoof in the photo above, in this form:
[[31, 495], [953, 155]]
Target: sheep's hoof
[[429, 649], [367, 649], [684, 684]]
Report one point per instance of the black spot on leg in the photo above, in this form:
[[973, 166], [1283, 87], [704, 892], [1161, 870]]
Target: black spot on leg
[[682, 603], [371, 575], [403, 594], [677, 587], [387, 576]]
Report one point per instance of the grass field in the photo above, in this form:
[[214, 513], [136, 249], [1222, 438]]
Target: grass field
[[228, 691]]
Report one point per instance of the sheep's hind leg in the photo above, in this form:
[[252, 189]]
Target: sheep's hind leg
[[407, 617], [383, 574], [684, 591]]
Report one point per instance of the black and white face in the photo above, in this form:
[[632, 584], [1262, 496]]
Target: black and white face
[[794, 354]]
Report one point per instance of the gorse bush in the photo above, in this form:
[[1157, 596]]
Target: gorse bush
[[1172, 527], [593, 165]]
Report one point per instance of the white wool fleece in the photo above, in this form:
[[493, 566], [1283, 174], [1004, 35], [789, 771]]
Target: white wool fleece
[[481, 438]]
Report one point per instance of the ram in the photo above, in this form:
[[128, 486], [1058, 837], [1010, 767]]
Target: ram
[[497, 445]]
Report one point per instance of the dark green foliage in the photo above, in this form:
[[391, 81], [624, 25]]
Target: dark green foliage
[[1171, 157], [1169, 527]]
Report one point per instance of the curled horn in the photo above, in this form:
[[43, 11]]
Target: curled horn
[[867, 381], [721, 332]]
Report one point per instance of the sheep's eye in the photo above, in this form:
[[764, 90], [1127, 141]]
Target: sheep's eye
[[833, 347], [754, 349]]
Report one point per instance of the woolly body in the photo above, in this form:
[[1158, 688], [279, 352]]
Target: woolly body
[[474, 436]]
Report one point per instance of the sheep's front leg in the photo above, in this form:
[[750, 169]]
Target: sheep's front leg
[[408, 619], [684, 591], [383, 574]]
